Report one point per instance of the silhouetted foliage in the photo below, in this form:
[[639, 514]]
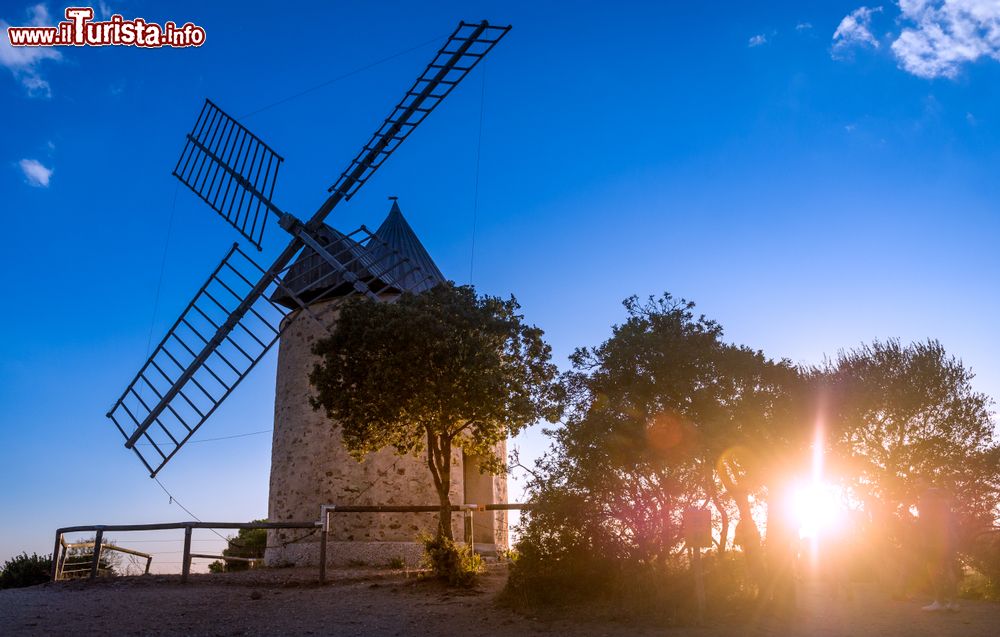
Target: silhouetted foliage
[[431, 372], [665, 415], [247, 543], [902, 415], [982, 551], [662, 416], [25, 570]]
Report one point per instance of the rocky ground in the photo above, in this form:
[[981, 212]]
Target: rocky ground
[[389, 603]]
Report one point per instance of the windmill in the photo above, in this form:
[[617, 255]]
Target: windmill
[[233, 319]]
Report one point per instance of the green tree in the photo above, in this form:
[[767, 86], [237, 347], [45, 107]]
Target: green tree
[[247, 543], [905, 414], [661, 416], [431, 372], [668, 405]]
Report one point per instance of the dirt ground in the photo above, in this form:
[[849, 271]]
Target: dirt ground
[[390, 603]]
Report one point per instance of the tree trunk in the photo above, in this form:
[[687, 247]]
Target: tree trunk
[[724, 519], [713, 497], [439, 463], [749, 533], [748, 537]]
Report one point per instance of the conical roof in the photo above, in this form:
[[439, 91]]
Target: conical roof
[[311, 277], [396, 242], [393, 259]]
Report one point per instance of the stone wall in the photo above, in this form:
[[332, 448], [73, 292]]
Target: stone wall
[[311, 467]]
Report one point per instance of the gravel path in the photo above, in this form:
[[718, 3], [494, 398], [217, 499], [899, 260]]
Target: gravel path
[[387, 603]]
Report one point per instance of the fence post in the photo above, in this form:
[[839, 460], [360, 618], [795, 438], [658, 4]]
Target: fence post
[[149, 561], [98, 539], [322, 545], [186, 563], [55, 557], [62, 559], [470, 529]]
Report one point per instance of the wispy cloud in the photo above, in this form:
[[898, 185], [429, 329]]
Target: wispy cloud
[[24, 62], [104, 9], [855, 30], [803, 26], [757, 40], [35, 174], [941, 36], [937, 37]]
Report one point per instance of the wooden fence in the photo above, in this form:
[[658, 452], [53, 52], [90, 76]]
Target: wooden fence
[[323, 524]]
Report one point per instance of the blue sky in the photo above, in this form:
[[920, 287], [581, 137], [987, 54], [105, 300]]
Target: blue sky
[[812, 174]]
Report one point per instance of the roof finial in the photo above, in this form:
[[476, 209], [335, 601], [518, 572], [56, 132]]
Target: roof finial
[[393, 197]]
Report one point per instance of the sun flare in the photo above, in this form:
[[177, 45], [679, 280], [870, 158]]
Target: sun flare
[[818, 508]]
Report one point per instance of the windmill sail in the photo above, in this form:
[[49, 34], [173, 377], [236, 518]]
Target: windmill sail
[[229, 326], [231, 169], [466, 46], [234, 320]]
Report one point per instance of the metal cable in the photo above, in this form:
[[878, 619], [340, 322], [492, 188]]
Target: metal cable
[[343, 76]]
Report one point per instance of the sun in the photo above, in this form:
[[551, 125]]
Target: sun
[[818, 508]]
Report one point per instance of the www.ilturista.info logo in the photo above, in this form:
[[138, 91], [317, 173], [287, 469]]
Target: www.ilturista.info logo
[[80, 29]]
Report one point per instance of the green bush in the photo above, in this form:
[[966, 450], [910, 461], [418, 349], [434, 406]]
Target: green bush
[[566, 558], [248, 543], [983, 555], [454, 563], [24, 570]]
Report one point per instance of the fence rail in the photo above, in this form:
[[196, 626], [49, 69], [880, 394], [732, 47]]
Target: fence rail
[[188, 527], [59, 564], [324, 524], [326, 510]]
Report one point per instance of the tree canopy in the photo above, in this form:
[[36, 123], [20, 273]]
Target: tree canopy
[[902, 415], [663, 415], [430, 372]]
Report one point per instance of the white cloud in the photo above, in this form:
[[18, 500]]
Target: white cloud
[[942, 35], [35, 173], [803, 26], [757, 40], [855, 30], [23, 62], [104, 9]]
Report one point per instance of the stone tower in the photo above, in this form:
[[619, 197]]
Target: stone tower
[[310, 466]]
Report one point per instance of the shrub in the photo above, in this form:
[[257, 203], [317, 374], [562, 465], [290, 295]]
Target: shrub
[[456, 564], [983, 555], [248, 543], [24, 570], [565, 557]]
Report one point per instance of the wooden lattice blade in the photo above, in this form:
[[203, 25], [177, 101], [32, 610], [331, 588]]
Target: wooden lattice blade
[[466, 46], [231, 170], [232, 322]]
